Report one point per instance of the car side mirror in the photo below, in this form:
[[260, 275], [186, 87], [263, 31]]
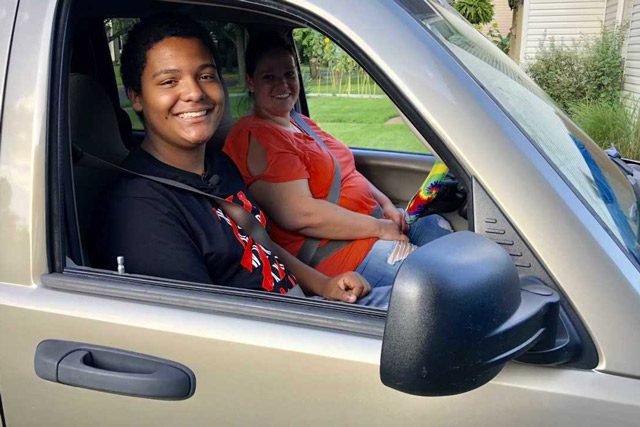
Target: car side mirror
[[458, 313]]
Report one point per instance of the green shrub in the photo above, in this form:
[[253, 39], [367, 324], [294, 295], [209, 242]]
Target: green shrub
[[604, 66], [503, 42], [475, 11], [558, 71], [588, 71], [610, 123]]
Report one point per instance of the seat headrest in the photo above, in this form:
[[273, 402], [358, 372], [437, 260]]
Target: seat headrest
[[93, 124], [226, 122]]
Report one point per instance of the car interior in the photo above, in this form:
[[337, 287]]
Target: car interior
[[100, 127]]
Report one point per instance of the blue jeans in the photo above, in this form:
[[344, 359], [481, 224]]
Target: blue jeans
[[380, 274]]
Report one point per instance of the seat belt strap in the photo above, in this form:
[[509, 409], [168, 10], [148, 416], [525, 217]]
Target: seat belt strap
[[311, 244], [334, 191], [245, 219], [333, 246], [311, 252]]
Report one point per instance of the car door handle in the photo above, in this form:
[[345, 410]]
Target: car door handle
[[113, 370]]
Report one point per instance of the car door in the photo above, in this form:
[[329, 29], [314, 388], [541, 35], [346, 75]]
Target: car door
[[7, 17], [255, 359], [216, 348]]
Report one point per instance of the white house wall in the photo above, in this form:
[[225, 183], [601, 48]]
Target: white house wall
[[611, 13], [561, 20], [503, 15], [632, 64]]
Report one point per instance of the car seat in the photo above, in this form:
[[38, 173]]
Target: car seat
[[94, 129]]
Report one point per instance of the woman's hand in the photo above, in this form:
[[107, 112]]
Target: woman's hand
[[346, 287], [389, 230], [396, 215]]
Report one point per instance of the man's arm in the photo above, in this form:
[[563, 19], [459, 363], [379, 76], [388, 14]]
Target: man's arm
[[346, 287]]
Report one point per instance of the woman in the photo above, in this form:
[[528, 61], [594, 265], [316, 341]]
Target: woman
[[171, 79], [290, 174]]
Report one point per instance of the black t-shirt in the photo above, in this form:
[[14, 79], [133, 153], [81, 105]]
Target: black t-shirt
[[167, 232]]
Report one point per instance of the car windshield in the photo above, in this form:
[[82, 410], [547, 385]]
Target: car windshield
[[598, 180]]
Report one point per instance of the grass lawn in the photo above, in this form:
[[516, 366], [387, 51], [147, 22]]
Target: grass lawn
[[362, 123]]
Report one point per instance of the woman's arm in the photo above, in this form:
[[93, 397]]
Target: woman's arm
[[292, 206], [388, 208]]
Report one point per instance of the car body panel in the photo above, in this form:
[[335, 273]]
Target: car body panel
[[252, 371], [22, 149], [7, 19]]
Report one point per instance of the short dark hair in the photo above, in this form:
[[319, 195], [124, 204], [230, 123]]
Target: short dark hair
[[262, 44], [149, 31]]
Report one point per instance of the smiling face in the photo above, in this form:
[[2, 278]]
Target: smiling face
[[275, 85], [182, 98]]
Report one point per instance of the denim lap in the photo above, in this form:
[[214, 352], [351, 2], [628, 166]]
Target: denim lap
[[428, 228], [380, 274]]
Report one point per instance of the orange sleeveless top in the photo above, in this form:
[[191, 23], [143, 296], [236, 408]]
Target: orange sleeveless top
[[292, 156]]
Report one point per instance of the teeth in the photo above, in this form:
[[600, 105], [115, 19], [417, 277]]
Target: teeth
[[192, 114], [286, 95]]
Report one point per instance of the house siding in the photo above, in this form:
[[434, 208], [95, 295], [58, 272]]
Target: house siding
[[628, 7], [560, 20], [632, 64], [611, 14], [503, 15]]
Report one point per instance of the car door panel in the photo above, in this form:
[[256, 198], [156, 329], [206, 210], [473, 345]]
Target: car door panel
[[396, 174], [252, 372], [235, 360]]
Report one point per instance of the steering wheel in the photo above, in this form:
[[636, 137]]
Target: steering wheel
[[440, 192]]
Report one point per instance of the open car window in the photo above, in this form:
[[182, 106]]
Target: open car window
[[365, 101], [346, 102]]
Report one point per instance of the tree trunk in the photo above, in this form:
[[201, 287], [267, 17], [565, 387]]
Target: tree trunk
[[240, 42], [314, 68]]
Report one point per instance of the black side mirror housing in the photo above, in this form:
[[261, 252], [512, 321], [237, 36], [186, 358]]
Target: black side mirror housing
[[458, 313]]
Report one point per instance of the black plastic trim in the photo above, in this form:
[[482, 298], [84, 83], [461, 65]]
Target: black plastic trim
[[223, 300], [489, 217], [3, 421], [113, 370], [57, 168]]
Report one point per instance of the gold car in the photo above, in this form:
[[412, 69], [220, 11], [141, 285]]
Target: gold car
[[528, 314]]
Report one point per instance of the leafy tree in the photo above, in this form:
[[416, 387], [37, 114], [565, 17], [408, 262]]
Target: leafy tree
[[117, 29], [311, 44], [475, 11]]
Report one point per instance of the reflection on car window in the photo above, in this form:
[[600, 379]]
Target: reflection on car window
[[587, 169], [345, 101]]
